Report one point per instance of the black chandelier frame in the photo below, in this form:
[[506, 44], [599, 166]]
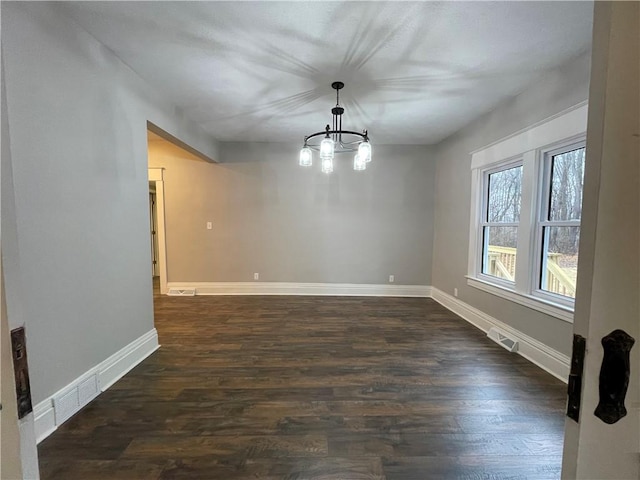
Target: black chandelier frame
[[345, 140]]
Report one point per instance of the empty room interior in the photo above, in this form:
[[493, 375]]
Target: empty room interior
[[320, 240]]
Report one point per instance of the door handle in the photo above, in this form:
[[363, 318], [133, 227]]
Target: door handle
[[614, 376]]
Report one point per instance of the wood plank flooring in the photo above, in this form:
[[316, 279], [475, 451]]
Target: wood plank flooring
[[316, 388]]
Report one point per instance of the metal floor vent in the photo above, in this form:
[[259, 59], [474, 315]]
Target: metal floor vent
[[182, 292], [502, 340]]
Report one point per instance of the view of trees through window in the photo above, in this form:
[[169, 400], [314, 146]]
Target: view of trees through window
[[561, 231], [504, 193]]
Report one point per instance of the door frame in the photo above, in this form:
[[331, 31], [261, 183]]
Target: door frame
[[154, 230], [608, 274], [156, 176]]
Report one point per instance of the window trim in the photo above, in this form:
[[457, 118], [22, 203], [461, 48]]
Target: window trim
[[530, 147], [545, 156], [482, 223], [556, 310]]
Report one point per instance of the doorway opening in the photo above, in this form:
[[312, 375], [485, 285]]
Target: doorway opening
[[157, 230], [153, 225]]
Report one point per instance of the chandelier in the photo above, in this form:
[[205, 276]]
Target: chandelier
[[336, 140]]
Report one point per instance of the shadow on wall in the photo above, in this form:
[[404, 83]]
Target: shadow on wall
[[326, 189], [418, 179]]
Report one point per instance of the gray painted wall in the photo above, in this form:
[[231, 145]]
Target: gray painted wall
[[77, 115], [556, 91], [293, 224]]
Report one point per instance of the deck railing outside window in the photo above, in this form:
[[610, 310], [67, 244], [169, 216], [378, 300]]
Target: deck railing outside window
[[560, 275]]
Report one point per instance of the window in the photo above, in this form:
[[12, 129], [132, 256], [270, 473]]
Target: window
[[559, 226], [525, 214], [501, 214]]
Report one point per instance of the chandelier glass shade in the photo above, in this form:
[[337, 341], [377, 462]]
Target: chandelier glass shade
[[327, 164], [335, 140], [306, 157]]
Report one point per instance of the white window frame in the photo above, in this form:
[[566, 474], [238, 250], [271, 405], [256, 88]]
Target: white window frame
[[530, 147], [482, 222], [544, 192]]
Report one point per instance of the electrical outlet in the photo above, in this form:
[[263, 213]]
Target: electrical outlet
[[209, 225], [455, 292], [392, 278], [256, 276]]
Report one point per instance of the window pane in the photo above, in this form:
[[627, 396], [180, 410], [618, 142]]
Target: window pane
[[560, 260], [504, 194], [567, 175], [499, 252]]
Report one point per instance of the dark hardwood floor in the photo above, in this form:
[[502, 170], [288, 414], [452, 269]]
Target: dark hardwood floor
[[316, 388]]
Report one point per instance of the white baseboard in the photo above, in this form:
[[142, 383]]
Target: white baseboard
[[45, 419], [63, 404], [554, 362], [120, 363], [281, 288]]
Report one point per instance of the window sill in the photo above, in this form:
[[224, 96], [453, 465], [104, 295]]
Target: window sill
[[553, 309]]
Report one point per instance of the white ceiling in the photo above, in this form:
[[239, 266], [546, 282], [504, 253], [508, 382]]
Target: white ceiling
[[415, 72]]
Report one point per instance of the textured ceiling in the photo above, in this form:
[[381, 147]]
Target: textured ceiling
[[415, 72]]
